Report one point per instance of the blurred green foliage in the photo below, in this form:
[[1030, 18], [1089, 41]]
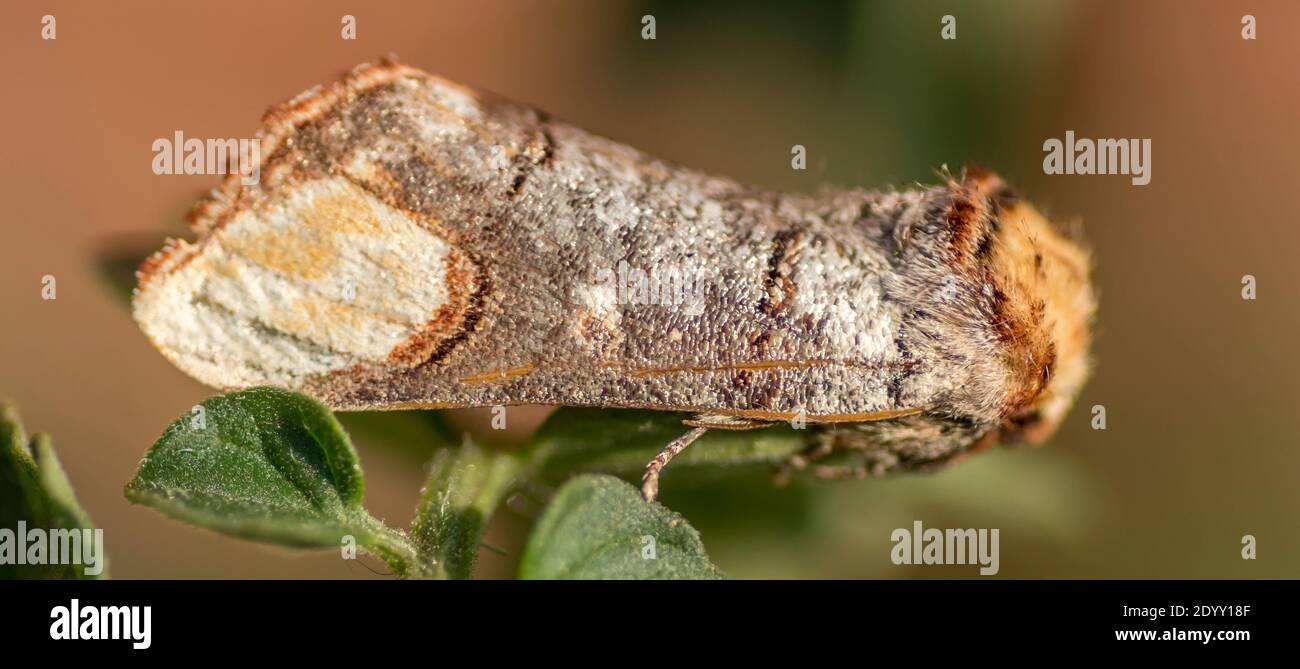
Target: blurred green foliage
[[35, 490]]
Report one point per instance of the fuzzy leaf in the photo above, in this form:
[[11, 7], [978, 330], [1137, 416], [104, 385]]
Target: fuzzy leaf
[[464, 488], [598, 527], [265, 464], [35, 490]]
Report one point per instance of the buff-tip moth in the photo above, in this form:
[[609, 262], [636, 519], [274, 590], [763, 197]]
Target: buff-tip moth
[[415, 243]]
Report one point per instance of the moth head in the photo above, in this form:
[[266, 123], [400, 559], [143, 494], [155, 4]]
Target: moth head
[[1041, 301]]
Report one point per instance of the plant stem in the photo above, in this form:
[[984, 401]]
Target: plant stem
[[386, 543], [464, 488]]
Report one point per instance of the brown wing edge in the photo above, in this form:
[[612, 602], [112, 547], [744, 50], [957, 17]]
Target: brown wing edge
[[279, 123]]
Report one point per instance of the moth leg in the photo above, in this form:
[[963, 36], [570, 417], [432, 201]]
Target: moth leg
[[801, 461], [836, 472], [702, 423], [650, 482]]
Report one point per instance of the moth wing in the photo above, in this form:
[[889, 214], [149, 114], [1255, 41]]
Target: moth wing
[[303, 275]]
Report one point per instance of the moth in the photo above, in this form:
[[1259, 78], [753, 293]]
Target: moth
[[414, 243]]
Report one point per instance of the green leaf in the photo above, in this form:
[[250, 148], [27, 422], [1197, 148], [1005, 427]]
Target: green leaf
[[35, 490], [463, 489], [622, 442], [598, 527], [265, 464]]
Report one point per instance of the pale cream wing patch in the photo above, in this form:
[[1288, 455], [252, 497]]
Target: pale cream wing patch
[[323, 278]]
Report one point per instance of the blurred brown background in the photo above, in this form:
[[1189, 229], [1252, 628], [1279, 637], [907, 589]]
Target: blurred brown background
[[1200, 386]]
